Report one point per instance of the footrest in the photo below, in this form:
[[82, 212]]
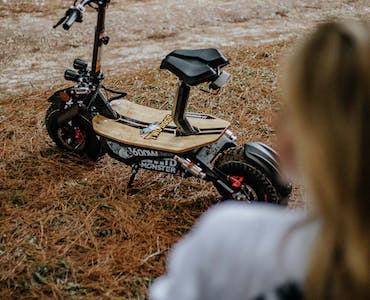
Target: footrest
[[128, 129]]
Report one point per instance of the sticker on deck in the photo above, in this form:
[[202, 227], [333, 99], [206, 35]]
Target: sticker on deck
[[153, 131]]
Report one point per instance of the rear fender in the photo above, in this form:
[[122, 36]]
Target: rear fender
[[265, 159]]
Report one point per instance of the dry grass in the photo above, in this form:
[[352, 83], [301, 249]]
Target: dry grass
[[9, 7], [70, 228]]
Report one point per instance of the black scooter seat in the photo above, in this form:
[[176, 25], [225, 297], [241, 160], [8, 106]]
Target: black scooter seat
[[195, 66]]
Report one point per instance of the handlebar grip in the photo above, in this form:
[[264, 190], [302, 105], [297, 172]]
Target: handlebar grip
[[71, 75], [70, 19]]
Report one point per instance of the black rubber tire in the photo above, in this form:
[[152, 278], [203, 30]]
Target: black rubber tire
[[91, 146], [232, 163]]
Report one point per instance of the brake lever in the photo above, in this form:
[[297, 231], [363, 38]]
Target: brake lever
[[60, 21], [67, 14]]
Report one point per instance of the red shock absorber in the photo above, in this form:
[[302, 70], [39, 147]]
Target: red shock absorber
[[80, 136], [236, 181]]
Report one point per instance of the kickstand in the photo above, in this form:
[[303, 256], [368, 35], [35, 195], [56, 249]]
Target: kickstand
[[134, 170]]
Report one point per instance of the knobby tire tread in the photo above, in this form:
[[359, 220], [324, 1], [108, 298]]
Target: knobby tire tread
[[232, 162]]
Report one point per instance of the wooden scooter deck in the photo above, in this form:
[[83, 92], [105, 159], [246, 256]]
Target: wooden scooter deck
[[135, 117]]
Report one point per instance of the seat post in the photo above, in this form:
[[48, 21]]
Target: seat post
[[178, 111]]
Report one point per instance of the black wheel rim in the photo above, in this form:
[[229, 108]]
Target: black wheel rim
[[72, 136]]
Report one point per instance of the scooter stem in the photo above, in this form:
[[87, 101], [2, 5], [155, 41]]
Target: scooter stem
[[98, 41]]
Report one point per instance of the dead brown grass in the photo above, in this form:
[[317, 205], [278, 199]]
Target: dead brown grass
[[70, 228], [9, 7]]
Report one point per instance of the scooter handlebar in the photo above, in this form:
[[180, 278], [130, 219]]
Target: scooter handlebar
[[71, 18], [73, 14]]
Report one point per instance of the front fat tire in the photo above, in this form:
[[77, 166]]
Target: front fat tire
[[91, 145], [232, 163]]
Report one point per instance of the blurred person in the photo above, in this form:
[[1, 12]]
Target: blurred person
[[240, 251]]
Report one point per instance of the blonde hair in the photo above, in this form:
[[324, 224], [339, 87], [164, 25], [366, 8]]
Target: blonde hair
[[327, 87]]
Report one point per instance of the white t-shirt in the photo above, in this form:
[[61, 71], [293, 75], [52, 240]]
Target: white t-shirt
[[238, 251]]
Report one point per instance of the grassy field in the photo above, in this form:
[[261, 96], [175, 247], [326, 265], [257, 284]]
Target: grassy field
[[70, 228]]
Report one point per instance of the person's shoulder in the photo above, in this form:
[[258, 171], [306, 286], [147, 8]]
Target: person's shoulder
[[237, 251], [280, 233], [268, 243], [252, 210], [239, 214]]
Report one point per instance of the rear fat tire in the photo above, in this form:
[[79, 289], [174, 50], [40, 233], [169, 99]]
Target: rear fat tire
[[90, 146], [232, 163]]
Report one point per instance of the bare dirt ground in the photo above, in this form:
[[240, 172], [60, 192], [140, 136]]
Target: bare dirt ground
[[33, 56], [70, 228]]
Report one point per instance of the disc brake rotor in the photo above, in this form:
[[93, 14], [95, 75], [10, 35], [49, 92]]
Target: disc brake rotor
[[72, 137], [246, 192]]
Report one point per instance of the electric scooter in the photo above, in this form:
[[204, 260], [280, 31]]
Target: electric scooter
[[83, 120]]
